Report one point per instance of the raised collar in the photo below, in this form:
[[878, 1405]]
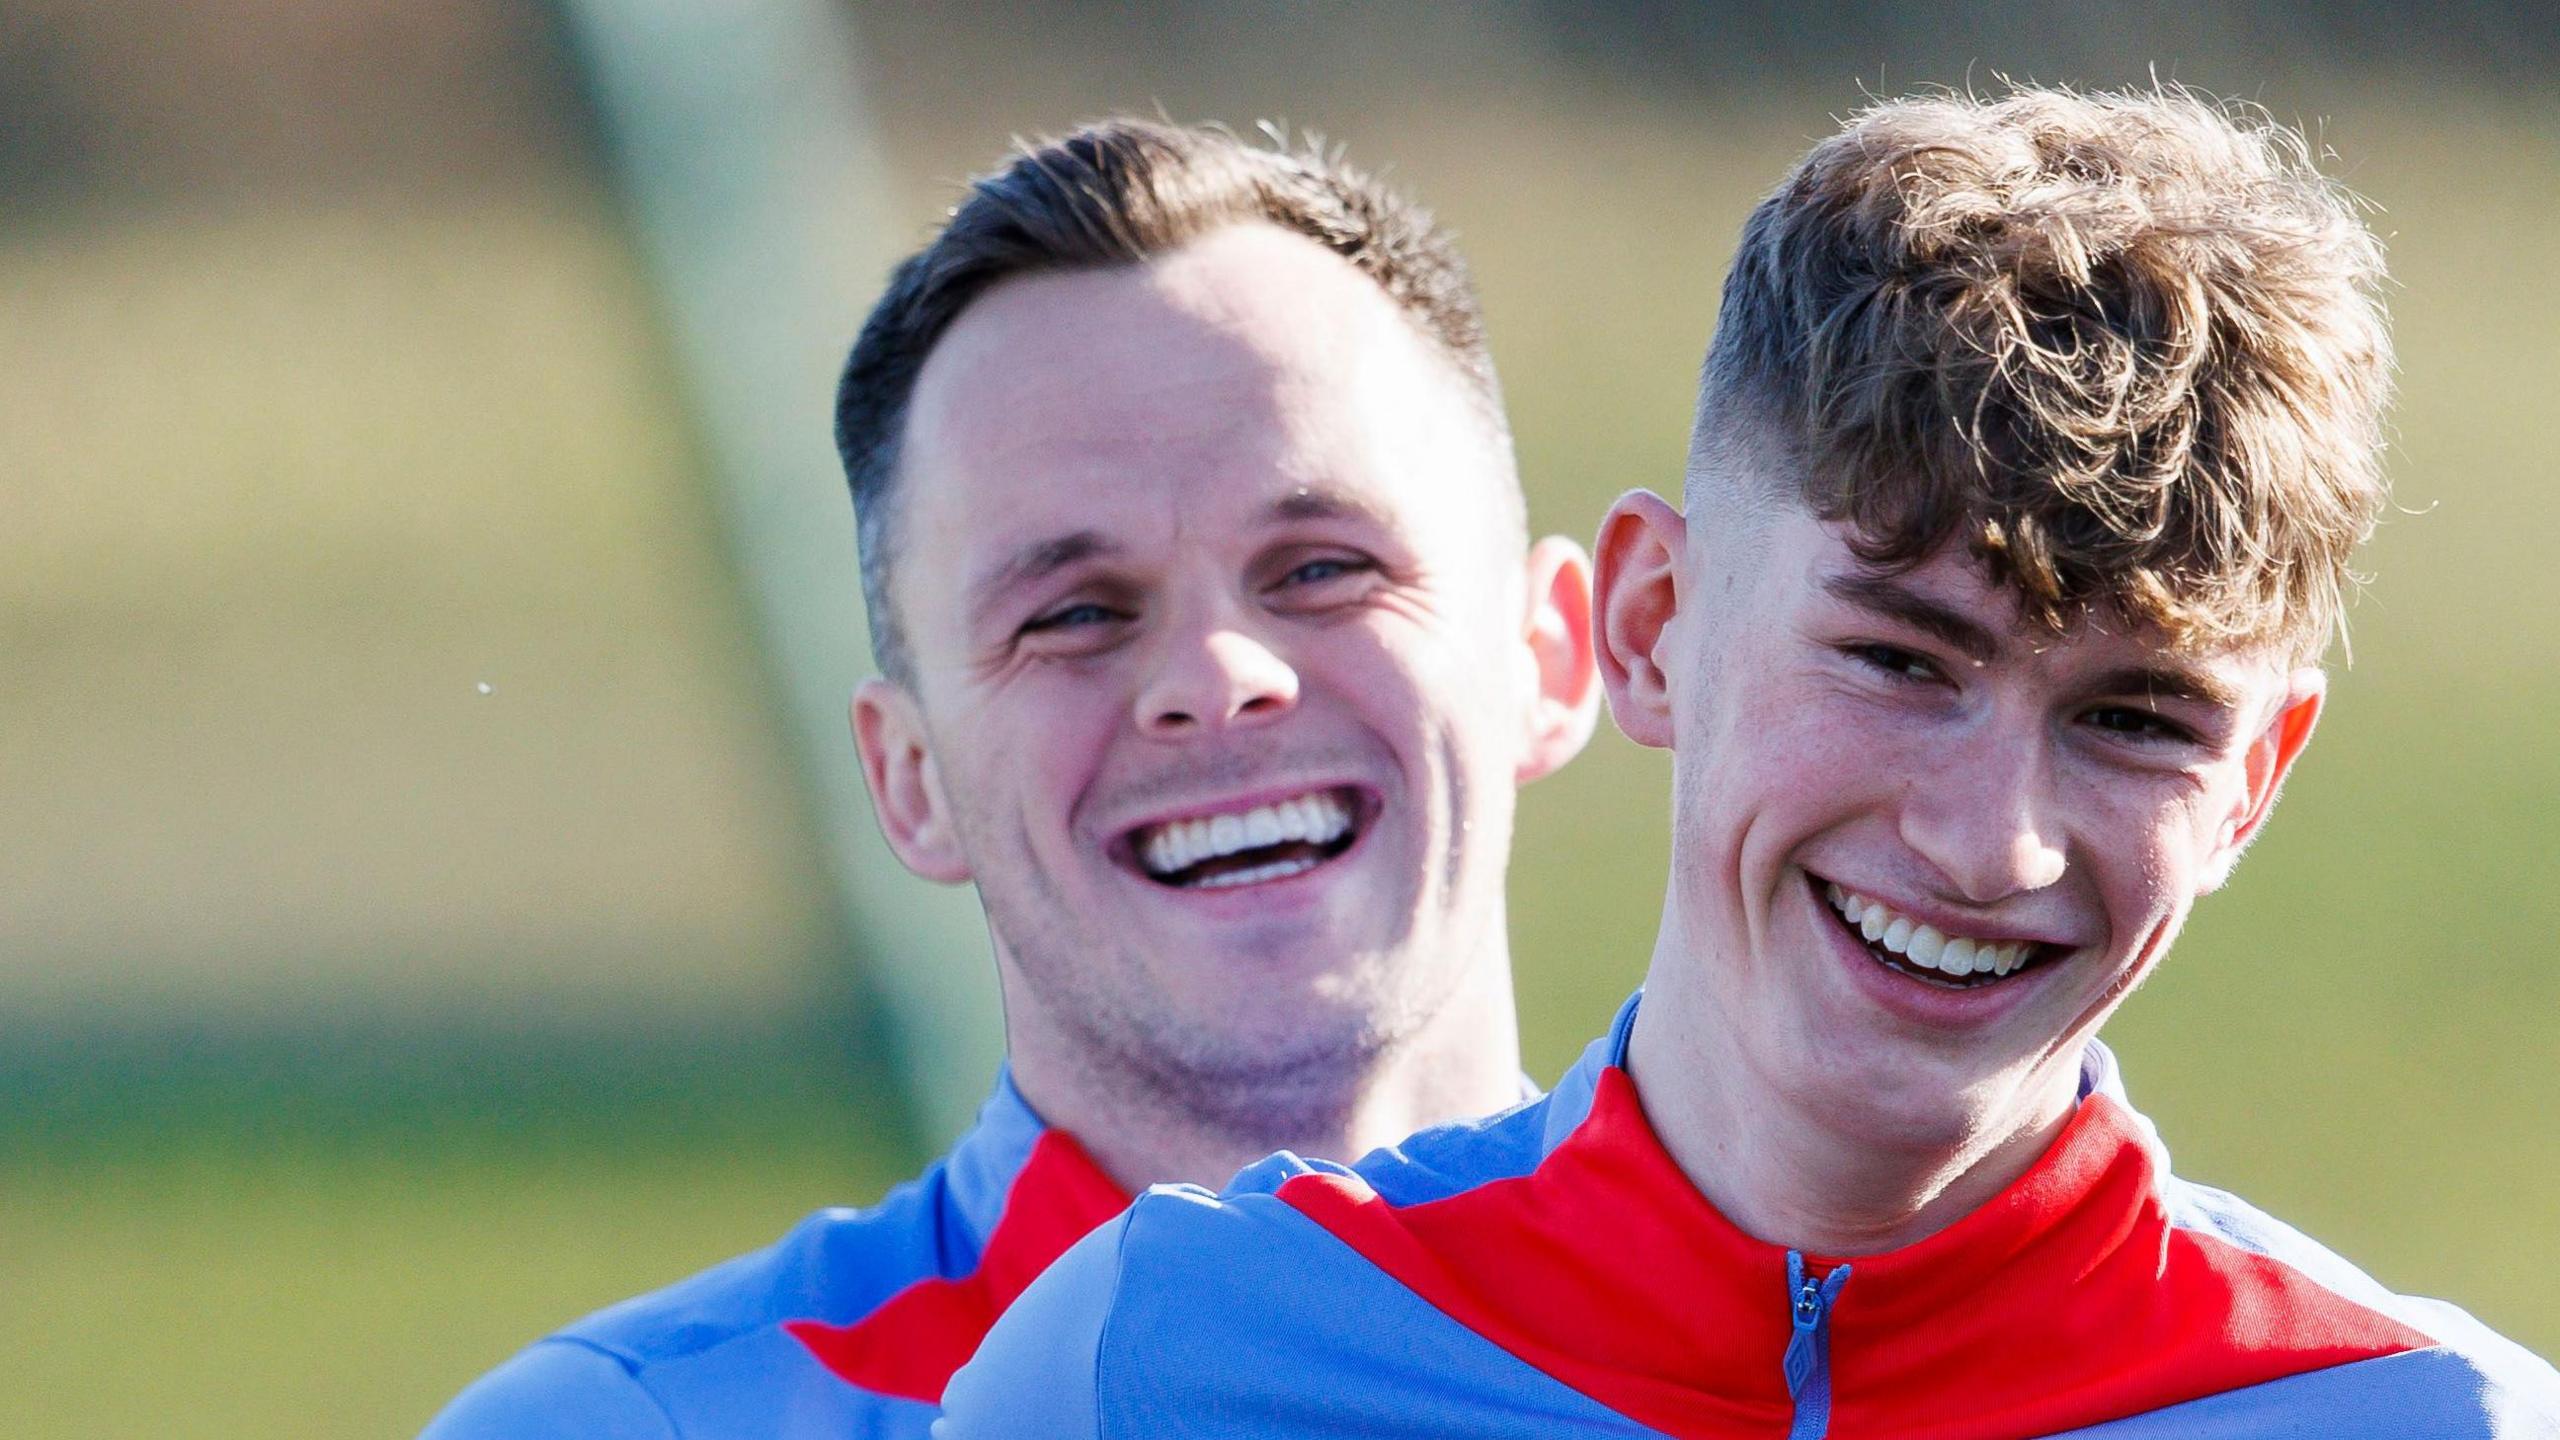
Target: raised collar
[[982, 1166], [1016, 1194], [2068, 1299]]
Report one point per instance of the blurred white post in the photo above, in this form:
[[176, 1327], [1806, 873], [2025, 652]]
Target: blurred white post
[[745, 155]]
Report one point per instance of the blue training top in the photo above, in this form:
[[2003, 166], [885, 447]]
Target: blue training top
[[848, 1327], [1552, 1273]]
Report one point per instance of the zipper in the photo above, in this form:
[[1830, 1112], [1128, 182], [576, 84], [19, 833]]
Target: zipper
[[1808, 1362]]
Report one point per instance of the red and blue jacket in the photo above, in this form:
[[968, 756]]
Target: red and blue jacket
[[1551, 1273], [848, 1327]]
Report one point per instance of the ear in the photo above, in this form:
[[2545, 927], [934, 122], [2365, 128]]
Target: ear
[[906, 785], [2269, 759], [1558, 634], [1638, 594]]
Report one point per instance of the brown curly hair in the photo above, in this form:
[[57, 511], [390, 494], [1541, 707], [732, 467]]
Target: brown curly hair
[[2128, 346]]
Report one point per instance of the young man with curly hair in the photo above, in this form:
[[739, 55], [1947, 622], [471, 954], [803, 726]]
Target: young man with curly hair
[[2029, 455]]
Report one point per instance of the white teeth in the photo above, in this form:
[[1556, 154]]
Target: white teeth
[[1923, 945], [1255, 874], [1318, 818]]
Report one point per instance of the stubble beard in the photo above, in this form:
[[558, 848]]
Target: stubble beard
[[1233, 1075]]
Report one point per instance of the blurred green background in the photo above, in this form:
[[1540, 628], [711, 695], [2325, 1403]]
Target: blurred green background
[[357, 1025]]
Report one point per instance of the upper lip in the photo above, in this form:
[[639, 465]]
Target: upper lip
[[1954, 924]]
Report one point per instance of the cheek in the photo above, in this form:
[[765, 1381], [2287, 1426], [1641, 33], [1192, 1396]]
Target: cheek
[[1070, 714], [1409, 679], [1027, 752], [2155, 878], [1780, 741]]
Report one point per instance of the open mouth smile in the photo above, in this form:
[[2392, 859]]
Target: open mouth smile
[[1929, 955], [1274, 840]]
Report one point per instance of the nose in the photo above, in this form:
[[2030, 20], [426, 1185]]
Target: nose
[[1215, 681], [1986, 820]]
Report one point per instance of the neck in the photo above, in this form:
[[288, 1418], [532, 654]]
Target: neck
[[1794, 1169], [1145, 1126]]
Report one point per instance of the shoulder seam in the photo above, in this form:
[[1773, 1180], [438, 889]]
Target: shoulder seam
[[630, 1367]]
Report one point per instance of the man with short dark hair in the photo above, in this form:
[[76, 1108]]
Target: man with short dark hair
[[1214, 650], [2031, 449]]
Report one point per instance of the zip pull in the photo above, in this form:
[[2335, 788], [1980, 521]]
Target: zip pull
[[1811, 1299]]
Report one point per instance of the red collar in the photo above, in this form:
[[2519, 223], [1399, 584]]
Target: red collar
[[2068, 1300], [919, 1338]]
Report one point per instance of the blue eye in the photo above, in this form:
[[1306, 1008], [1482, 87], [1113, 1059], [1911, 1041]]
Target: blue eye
[[1317, 571], [1087, 613]]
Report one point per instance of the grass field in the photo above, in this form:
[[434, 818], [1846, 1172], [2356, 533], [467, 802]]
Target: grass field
[[292, 1291], [286, 483]]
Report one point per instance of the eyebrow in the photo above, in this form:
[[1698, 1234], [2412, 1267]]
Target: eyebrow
[[1311, 502], [1043, 558], [2168, 682], [1035, 561], [1882, 595]]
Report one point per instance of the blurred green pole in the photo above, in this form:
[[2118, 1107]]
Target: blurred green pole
[[743, 151]]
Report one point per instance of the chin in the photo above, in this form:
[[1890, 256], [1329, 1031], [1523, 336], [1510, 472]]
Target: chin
[[1358, 1007], [1893, 1103], [1255, 1041]]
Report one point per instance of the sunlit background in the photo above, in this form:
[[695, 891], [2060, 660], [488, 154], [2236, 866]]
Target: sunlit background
[[421, 895]]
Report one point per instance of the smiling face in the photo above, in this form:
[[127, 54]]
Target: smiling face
[[1228, 660], [1921, 848]]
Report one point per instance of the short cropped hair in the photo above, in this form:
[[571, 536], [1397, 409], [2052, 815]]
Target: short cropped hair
[[2128, 346], [1117, 193]]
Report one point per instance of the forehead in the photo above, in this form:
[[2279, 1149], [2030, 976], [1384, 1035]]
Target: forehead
[[1208, 382], [1746, 466]]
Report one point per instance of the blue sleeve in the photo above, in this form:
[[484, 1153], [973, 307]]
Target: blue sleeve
[[554, 1390], [1038, 1372]]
